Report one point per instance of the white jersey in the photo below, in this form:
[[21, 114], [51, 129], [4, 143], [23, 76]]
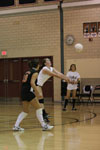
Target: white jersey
[[72, 76], [42, 78]]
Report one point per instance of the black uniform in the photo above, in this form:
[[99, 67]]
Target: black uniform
[[26, 94]]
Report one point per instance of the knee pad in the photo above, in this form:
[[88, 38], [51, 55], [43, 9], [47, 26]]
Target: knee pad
[[41, 101]]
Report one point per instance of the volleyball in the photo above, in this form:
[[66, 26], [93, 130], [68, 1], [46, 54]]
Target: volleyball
[[78, 47]]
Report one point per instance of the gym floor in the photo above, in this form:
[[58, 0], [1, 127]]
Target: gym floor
[[73, 130]]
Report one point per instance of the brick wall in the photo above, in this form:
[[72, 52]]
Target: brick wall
[[34, 34], [73, 24], [38, 34]]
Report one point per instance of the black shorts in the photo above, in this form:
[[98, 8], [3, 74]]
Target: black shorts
[[27, 96]]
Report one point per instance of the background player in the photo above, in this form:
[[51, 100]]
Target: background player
[[29, 97], [73, 79]]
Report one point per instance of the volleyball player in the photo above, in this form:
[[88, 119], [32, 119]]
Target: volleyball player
[[29, 97], [73, 79], [45, 73]]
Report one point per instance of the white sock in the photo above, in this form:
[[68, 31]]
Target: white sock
[[40, 116], [21, 116]]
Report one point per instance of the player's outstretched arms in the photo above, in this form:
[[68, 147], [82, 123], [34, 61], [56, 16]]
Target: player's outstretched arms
[[60, 75]]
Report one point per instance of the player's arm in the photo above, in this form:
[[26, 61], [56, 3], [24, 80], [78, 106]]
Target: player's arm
[[50, 73], [60, 75], [33, 85], [54, 74]]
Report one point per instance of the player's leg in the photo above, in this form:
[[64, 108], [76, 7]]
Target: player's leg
[[21, 116], [41, 101], [35, 103], [66, 99], [73, 99]]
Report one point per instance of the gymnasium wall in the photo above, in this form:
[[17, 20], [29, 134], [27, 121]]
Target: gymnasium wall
[[38, 34], [38, 3], [32, 34], [70, 1], [88, 61]]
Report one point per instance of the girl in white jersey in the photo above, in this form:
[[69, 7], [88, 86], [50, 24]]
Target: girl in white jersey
[[45, 73], [73, 79]]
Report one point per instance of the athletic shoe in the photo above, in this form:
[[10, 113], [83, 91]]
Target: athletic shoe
[[18, 128], [47, 127], [46, 119], [74, 109]]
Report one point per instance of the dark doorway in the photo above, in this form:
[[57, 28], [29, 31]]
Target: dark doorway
[[11, 74]]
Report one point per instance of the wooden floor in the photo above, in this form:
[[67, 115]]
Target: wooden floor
[[78, 130]]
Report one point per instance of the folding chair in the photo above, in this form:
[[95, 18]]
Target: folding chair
[[86, 94]]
